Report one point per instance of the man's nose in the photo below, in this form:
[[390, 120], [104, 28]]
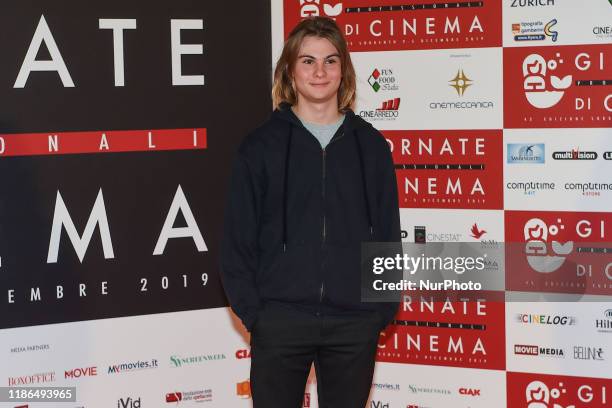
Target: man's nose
[[319, 69]]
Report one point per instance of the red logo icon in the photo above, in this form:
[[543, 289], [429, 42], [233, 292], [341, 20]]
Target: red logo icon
[[243, 389], [243, 353], [391, 104], [174, 397], [476, 233]]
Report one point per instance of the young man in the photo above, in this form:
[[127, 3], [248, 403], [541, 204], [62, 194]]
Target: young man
[[308, 187]]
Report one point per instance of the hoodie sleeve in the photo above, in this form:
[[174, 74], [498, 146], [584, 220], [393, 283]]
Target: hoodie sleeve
[[239, 249], [387, 217], [389, 229]]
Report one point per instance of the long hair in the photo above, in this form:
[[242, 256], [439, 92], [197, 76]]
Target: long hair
[[322, 27]]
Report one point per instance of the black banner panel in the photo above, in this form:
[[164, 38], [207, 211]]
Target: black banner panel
[[118, 123]]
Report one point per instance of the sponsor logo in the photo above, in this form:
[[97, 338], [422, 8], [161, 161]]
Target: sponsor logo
[[196, 396], [132, 366], [558, 252], [574, 154], [526, 153], [129, 402], [536, 233], [39, 378], [530, 188], [540, 93], [588, 189], [551, 320], [535, 31], [526, 350], [391, 104], [531, 350], [33, 347], [416, 389], [383, 79], [491, 265], [386, 386], [420, 235], [607, 155], [178, 361], [564, 86], [604, 325], [379, 404], [460, 83], [602, 32], [174, 397], [81, 372], [474, 392], [477, 234], [243, 389], [243, 353], [388, 110], [532, 3], [588, 353]]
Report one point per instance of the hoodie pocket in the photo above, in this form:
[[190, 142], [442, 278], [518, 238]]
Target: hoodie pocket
[[291, 275], [343, 275]]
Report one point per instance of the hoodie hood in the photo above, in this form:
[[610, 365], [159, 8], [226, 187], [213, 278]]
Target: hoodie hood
[[351, 121]]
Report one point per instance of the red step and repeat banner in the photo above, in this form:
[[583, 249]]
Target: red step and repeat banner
[[117, 124], [499, 117]]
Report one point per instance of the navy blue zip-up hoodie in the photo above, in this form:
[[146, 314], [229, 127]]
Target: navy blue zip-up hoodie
[[297, 214]]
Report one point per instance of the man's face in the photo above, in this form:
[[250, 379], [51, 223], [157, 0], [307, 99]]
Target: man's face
[[317, 72]]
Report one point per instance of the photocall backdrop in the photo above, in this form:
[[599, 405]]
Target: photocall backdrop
[[117, 129]]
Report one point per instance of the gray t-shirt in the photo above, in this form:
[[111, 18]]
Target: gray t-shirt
[[323, 133]]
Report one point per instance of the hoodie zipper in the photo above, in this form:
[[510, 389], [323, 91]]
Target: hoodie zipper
[[324, 232], [321, 291]]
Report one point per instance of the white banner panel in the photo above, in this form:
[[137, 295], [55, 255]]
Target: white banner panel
[[196, 358], [441, 89], [558, 169], [555, 337]]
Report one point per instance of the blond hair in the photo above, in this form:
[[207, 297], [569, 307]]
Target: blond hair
[[322, 27]]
